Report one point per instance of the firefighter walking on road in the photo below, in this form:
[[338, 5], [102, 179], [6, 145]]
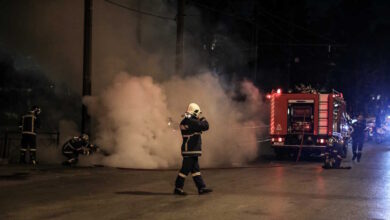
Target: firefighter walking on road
[[191, 128], [358, 135], [29, 125]]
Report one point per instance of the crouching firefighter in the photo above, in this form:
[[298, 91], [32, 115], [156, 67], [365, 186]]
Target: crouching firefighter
[[333, 156], [191, 128], [75, 146], [29, 125]]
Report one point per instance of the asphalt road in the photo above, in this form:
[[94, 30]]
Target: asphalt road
[[268, 190]]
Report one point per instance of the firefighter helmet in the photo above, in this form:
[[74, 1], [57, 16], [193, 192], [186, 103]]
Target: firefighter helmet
[[36, 110], [193, 109], [84, 137]]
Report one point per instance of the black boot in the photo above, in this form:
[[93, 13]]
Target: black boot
[[33, 159], [359, 155], [354, 156], [22, 157], [204, 191], [179, 192]]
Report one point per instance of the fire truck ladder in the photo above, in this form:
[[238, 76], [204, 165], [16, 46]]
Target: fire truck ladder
[[323, 116]]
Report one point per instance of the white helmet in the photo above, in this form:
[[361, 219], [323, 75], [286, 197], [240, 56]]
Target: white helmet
[[193, 109]]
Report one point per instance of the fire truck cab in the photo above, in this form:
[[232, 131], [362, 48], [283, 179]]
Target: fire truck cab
[[307, 121]]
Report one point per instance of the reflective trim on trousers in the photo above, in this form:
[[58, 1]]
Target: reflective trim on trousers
[[29, 132], [68, 152], [196, 174], [182, 175], [23, 149], [191, 152], [33, 149]]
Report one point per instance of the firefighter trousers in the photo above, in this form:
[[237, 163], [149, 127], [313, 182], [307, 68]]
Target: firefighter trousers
[[28, 141], [72, 158], [190, 164], [357, 147]]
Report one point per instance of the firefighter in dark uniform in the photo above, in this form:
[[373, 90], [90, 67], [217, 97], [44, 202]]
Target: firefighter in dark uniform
[[358, 135], [191, 129], [29, 125], [333, 155], [75, 146]]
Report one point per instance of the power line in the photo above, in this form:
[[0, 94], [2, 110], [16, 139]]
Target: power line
[[139, 11], [295, 25], [237, 17]]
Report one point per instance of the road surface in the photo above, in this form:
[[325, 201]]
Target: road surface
[[268, 190]]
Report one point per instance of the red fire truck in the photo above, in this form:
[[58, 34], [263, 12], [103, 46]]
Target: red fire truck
[[307, 121]]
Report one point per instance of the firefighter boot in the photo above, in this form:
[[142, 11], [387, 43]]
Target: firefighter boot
[[359, 155], [354, 156], [179, 192], [33, 159], [204, 191], [22, 156]]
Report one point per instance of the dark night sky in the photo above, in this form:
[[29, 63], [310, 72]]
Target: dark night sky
[[47, 35]]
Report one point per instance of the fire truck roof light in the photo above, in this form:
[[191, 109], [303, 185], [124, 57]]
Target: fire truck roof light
[[279, 91]]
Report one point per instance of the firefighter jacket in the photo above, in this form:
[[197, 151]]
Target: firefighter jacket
[[29, 123], [75, 146], [191, 130], [358, 130]]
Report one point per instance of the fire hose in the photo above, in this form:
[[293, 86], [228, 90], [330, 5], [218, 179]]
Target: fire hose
[[303, 137]]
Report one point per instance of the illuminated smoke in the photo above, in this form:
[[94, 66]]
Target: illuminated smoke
[[133, 114]]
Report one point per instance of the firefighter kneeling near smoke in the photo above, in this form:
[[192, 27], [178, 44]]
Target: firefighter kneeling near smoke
[[75, 146], [333, 156], [191, 129]]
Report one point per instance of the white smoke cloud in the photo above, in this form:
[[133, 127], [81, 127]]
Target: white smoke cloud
[[133, 113]]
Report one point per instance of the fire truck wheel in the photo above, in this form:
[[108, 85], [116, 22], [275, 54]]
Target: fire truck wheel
[[279, 153]]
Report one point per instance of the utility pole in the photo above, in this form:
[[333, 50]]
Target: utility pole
[[179, 37], [87, 65], [138, 26], [256, 45]]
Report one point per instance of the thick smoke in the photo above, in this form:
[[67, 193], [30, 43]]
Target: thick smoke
[[131, 111], [133, 115]]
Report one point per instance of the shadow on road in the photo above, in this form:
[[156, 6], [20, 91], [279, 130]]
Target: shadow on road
[[15, 176], [144, 193]]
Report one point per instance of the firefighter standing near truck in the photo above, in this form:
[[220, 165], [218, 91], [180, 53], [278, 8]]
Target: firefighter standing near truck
[[358, 135], [29, 125], [191, 128]]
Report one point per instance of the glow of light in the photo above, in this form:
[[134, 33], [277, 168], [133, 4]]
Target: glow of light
[[280, 139], [268, 96], [388, 116], [279, 91]]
